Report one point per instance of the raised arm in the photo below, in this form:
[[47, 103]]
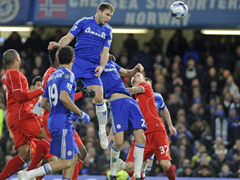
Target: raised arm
[[64, 41], [136, 90], [131, 72]]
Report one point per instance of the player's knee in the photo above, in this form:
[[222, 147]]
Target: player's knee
[[165, 164], [129, 167], [140, 137], [98, 99], [24, 152]]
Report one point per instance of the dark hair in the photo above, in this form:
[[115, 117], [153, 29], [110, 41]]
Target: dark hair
[[37, 78], [148, 79], [65, 55], [52, 54], [9, 56], [105, 5]]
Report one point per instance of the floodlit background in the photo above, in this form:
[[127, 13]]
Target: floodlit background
[[193, 62]]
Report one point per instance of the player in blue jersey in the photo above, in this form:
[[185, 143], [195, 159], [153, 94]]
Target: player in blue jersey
[[124, 114], [58, 98], [93, 41]]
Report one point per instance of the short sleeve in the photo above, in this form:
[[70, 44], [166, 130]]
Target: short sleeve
[[67, 83], [108, 41], [117, 66], [15, 81], [45, 93], [77, 27]]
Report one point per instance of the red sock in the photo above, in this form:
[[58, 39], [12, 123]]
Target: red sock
[[170, 173], [77, 170], [12, 166], [41, 151]]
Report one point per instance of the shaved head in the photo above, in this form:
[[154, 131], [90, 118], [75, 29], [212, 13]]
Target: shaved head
[[9, 56]]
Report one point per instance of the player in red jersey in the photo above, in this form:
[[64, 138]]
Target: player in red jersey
[[22, 123], [156, 136], [42, 148]]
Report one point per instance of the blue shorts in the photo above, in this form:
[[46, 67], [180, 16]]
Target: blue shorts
[[63, 144], [125, 114], [85, 70]]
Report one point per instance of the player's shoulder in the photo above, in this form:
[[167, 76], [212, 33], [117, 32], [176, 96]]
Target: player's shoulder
[[84, 20], [14, 73], [156, 94], [108, 26], [145, 84], [69, 75]]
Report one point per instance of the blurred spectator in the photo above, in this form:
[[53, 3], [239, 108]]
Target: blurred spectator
[[156, 42], [225, 171], [145, 57], [131, 45], [177, 44], [13, 42], [221, 125]]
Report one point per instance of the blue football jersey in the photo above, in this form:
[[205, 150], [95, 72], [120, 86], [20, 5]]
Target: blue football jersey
[[91, 38], [159, 102], [112, 81], [61, 80]]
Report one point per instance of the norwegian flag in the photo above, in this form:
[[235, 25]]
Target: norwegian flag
[[52, 9]]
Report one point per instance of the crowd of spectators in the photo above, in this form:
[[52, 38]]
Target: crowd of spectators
[[199, 81]]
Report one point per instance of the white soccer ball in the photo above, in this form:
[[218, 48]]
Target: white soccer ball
[[179, 9]]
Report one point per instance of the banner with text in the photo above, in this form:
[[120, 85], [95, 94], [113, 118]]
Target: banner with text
[[141, 13], [16, 12]]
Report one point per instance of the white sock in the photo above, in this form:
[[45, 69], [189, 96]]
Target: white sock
[[138, 159], [101, 112], [41, 171], [115, 152], [144, 167], [121, 165]]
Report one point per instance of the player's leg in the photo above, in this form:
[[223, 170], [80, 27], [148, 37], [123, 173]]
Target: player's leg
[[49, 168], [21, 142], [118, 116], [162, 154], [82, 155], [168, 169], [147, 165], [101, 112], [118, 139], [63, 146], [138, 124], [42, 149], [16, 163]]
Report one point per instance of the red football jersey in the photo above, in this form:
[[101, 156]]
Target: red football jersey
[[46, 75], [14, 80], [147, 106]]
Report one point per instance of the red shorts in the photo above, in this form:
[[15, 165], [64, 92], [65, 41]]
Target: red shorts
[[24, 130], [34, 144], [77, 139], [156, 143]]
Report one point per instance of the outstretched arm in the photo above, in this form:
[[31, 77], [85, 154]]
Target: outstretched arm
[[64, 41], [136, 90], [131, 72]]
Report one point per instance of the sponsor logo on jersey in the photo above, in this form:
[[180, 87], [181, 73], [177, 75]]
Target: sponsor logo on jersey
[[102, 35]]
